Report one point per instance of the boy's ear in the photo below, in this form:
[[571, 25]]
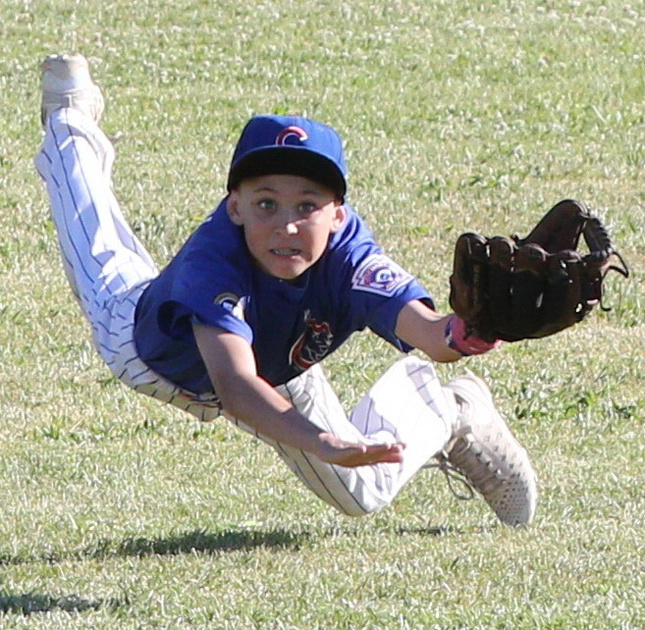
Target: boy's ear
[[339, 217], [232, 207]]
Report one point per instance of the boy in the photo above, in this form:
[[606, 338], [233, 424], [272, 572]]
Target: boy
[[274, 280]]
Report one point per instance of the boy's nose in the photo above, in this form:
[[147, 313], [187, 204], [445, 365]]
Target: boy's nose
[[291, 228]]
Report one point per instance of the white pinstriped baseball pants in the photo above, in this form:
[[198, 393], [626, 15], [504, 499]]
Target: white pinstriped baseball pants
[[108, 268]]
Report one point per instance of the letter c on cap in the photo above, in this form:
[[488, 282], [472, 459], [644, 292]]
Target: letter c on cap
[[291, 132]]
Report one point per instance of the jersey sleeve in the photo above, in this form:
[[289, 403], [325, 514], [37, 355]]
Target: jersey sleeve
[[187, 290], [377, 287], [382, 288]]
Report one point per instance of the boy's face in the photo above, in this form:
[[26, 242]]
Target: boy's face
[[287, 221]]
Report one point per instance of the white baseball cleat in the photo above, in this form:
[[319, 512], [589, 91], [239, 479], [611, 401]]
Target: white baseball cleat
[[66, 82], [486, 453]]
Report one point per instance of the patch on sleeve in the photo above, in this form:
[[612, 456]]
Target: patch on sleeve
[[381, 275], [232, 303]]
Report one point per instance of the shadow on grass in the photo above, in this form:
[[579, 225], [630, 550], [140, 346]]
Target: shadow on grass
[[197, 541], [30, 603], [428, 531], [200, 541], [446, 530]]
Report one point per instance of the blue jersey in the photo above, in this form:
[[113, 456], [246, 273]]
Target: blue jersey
[[290, 325]]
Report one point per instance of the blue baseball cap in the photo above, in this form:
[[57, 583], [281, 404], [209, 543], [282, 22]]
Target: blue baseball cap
[[289, 145]]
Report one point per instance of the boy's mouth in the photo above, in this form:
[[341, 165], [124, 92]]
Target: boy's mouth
[[285, 252]]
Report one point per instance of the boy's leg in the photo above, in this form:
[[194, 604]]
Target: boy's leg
[[457, 423], [107, 266], [407, 404]]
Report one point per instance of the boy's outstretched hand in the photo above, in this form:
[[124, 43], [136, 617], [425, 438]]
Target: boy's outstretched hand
[[350, 454]]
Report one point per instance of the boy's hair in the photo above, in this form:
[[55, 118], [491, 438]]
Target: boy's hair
[[289, 145]]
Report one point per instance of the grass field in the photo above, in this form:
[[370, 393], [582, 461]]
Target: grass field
[[118, 512]]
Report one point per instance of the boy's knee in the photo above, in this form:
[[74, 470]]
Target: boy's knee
[[361, 506]]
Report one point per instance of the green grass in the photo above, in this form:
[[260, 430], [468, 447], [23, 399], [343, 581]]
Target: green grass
[[118, 512]]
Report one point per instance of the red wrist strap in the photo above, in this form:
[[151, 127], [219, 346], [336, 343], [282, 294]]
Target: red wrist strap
[[466, 345]]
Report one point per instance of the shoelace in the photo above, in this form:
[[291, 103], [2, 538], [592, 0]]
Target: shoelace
[[453, 476]]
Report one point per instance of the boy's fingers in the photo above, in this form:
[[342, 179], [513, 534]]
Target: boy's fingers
[[376, 454]]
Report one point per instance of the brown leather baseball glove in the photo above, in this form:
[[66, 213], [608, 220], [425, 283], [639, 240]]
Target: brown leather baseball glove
[[518, 288]]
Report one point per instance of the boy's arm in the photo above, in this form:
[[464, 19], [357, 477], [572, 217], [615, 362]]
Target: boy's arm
[[245, 395], [421, 327], [442, 337]]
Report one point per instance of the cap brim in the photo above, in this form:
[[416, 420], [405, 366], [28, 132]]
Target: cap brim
[[288, 161]]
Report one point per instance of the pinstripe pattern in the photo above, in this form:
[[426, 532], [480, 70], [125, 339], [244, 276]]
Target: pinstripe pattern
[[406, 404], [108, 268]]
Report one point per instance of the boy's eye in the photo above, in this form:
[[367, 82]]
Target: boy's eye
[[267, 204], [306, 208]]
